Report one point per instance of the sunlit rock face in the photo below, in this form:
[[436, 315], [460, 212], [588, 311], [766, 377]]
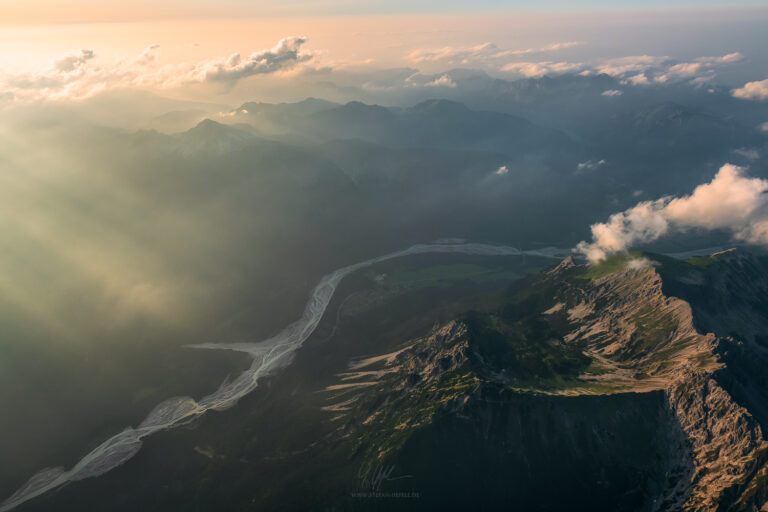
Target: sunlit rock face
[[662, 403]]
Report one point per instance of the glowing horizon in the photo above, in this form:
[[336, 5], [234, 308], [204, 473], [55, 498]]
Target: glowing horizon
[[41, 12]]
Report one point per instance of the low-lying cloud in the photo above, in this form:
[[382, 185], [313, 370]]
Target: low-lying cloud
[[748, 153], [539, 69], [647, 69], [481, 53], [631, 70], [443, 81], [589, 165], [731, 201], [639, 263], [752, 91]]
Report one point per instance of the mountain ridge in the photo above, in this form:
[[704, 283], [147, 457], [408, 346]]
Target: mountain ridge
[[639, 341]]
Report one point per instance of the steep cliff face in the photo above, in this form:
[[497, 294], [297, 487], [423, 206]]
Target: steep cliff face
[[642, 366], [725, 412], [634, 322], [503, 449], [726, 444]]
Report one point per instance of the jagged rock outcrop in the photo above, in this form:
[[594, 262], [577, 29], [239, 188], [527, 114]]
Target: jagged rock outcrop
[[640, 324], [444, 351], [632, 321], [725, 440]]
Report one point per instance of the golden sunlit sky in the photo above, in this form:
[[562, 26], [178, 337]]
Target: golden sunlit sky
[[53, 11], [177, 43]]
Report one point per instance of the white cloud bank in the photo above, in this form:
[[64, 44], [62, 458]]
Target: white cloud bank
[[632, 70], [76, 77], [646, 69], [731, 202], [480, 53]]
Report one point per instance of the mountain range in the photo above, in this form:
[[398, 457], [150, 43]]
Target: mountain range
[[633, 384]]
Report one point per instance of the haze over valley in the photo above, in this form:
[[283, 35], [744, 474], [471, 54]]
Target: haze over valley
[[383, 257]]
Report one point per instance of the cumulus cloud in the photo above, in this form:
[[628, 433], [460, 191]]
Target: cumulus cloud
[[639, 79], [148, 55], [612, 92], [764, 127], [641, 223], [639, 263], [730, 202], [285, 54], [647, 69], [630, 70], [418, 79], [682, 70], [479, 53], [75, 76], [731, 57], [538, 69], [72, 62], [443, 81], [451, 53], [630, 65], [701, 69], [752, 91]]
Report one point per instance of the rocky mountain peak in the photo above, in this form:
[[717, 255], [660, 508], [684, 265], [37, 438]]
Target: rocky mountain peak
[[622, 329], [567, 263]]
